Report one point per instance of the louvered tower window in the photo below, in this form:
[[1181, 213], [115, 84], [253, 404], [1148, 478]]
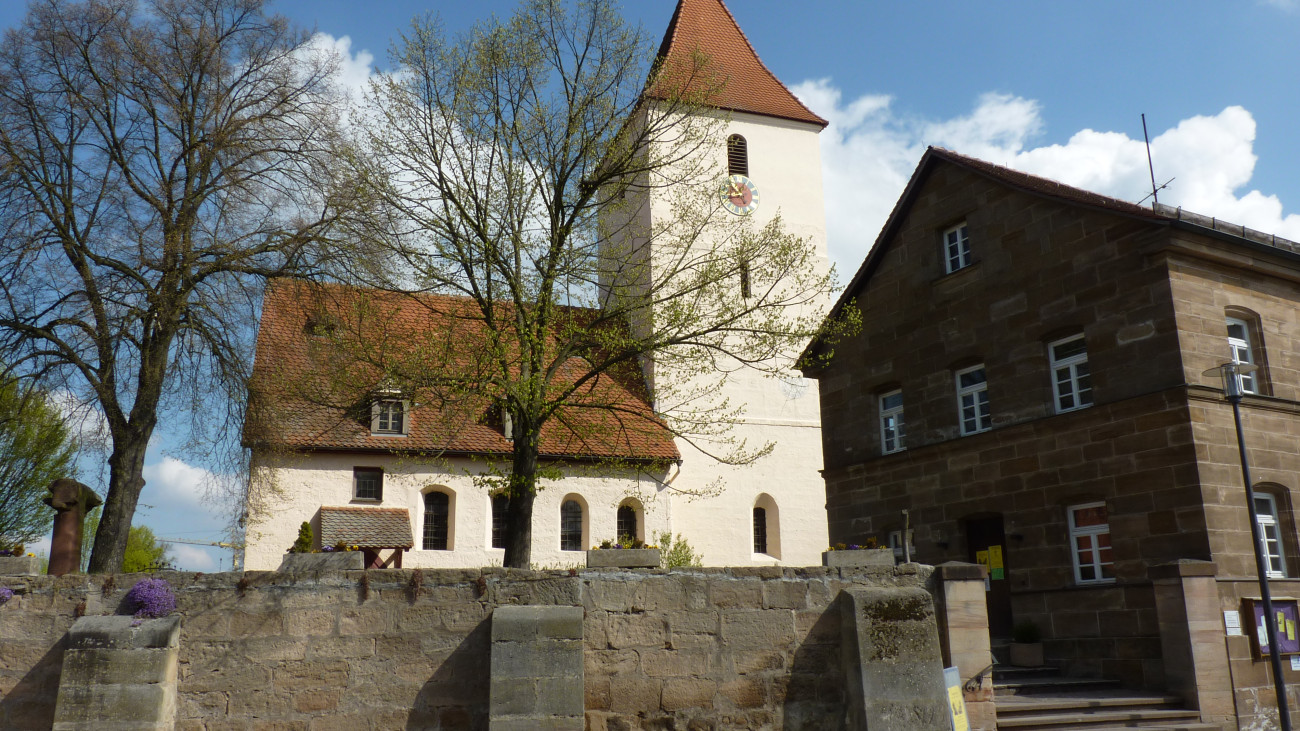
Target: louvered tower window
[[737, 156]]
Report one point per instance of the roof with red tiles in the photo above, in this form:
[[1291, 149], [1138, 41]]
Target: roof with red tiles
[[366, 527], [707, 27], [313, 392]]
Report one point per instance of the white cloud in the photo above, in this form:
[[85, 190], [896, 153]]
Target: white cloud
[[354, 70], [173, 483], [869, 151], [83, 418], [192, 558]]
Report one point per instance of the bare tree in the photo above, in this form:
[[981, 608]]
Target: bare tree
[[517, 165], [158, 160]]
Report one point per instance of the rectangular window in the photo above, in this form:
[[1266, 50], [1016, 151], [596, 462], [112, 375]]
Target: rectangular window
[[500, 504], [388, 417], [1090, 543], [1073, 382], [1270, 534], [891, 422], [1239, 347], [956, 248], [760, 530], [367, 483], [973, 400]]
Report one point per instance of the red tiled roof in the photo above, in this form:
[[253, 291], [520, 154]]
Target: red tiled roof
[[312, 393], [708, 27], [366, 527]]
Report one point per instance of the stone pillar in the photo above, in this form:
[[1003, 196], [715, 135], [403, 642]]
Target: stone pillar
[[964, 635], [537, 677], [118, 675], [893, 666], [1192, 638], [71, 500]]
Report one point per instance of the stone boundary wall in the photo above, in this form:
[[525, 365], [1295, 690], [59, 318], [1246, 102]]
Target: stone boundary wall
[[689, 649]]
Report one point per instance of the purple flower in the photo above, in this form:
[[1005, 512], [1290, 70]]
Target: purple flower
[[5, 594], [151, 598], [327, 549], [854, 547]]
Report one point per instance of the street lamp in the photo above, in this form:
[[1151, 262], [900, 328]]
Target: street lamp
[[1231, 374]]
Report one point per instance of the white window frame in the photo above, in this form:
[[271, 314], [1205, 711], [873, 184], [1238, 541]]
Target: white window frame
[[1071, 376], [891, 423], [956, 248], [1270, 532], [978, 395], [381, 417], [1090, 532], [1242, 352]]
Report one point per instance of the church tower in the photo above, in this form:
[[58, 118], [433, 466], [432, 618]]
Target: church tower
[[772, 510]]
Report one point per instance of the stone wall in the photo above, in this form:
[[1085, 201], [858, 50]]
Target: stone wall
[[690, 649], [1249, 678]]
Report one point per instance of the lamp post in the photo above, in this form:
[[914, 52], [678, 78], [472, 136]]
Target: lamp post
[[1231, 374]]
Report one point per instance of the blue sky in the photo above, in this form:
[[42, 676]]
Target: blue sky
[[1056, 89]]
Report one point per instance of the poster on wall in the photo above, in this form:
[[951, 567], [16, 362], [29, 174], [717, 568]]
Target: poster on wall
[[956, 700], [1286, 615]]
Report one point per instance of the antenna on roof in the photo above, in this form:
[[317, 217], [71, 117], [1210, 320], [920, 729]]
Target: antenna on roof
[[1151, 168]]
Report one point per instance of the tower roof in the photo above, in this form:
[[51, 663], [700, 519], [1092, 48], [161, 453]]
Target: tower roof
[[708, 27]]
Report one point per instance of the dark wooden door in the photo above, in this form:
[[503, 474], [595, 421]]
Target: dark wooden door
[[986, 544]]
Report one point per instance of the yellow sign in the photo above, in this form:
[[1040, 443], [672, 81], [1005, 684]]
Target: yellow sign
[[982, 558], [995, 557], [956, 703]]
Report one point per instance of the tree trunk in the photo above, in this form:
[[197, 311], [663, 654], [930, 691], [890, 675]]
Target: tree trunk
[[522, 493], [125, 481]]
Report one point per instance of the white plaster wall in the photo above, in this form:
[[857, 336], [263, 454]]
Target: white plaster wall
[[292, 489]]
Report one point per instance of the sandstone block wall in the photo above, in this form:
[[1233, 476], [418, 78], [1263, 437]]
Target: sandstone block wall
[[403, 649]]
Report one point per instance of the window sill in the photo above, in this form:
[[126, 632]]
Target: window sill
[[1095, 582], [367, 500], [387, 434], [1073, 409]]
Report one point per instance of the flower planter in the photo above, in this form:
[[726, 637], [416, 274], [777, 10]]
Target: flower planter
[[858, 557], [299, 563], [20, 566], [1027, 654], [623, 558]]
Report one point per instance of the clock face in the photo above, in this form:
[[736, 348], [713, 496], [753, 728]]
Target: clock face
[[739, 195]]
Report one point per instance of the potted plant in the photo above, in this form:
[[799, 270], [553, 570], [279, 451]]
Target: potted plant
[[1026, 645], [303, 558], [868, 553], [624, 553]]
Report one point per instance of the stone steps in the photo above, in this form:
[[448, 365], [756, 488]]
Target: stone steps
[[1040, 699]]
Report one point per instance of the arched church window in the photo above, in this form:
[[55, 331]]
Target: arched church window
[[737, 156], [627, 522], [571, 526], [437, 520]]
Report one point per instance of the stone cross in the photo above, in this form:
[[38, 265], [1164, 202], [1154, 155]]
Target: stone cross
[[71, 501]]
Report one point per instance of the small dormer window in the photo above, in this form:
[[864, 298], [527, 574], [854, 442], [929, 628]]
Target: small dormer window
[[737, 156], [319, 325], [956, 248], [388, 414]]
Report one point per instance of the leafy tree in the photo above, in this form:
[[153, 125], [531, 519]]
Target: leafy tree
[[35, 448], [144, 552], [511, 166], [160, 159]]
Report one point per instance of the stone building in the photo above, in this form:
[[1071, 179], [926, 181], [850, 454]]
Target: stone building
[[1028, 393], [388, 456]]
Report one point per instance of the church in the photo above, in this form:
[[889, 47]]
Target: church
[[413, 490]]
